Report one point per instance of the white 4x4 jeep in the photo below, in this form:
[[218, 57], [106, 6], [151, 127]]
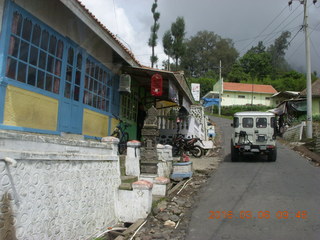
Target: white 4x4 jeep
[[255, 133]]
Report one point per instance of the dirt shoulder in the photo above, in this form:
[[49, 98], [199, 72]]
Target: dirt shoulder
[[171, 215], [303, 151]]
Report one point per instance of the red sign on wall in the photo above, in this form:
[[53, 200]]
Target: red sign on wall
[[156, 85]]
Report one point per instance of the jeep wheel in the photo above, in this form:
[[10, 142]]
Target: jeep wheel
[[272, 155], [234, 153]]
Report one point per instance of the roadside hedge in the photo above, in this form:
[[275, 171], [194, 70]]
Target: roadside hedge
[[231, 110]]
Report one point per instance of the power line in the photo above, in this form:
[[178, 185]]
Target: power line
[[315, 49], [264, 29], [295, 35], [247, 39], [267, 40], [315, 28], [301, 43]]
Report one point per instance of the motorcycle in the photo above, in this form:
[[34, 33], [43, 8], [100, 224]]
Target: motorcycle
[[182, 145]]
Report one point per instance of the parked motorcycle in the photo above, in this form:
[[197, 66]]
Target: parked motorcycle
[[182, 145]]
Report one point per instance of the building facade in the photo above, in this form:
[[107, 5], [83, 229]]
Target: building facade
[[242, 94], [315, 97], [59, 69]]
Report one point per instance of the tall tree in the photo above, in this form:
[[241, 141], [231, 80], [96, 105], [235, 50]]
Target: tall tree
[[277, 51], [204, 51], [167, 42], [206, 81], [178, 33], [256, 62], [154, 29], [237, 74]]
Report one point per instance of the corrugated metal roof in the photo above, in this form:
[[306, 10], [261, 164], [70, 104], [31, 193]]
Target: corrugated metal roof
[[315, 89], [246, 87]]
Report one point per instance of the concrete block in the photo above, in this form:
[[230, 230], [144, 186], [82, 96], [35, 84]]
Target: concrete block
[[164, 169], [164, 152], [135, 204], [133, 158], [160, 186], [148, 177], [181, 170]]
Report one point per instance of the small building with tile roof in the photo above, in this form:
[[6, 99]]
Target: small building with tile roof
[[242, 93], [315, 96]]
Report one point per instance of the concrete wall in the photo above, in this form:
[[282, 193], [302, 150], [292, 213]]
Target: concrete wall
[[66, 190], [294, 134]]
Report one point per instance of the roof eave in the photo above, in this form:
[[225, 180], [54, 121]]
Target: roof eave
[[100, 30], [226, 90]]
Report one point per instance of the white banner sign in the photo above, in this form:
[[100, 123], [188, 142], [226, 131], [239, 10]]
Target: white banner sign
[[195, 90]]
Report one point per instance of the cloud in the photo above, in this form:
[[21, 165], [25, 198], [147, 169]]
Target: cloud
[[132, 33], [242, 21]]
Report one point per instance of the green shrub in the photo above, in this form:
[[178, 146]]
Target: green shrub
[[316, 118], [231, 110]]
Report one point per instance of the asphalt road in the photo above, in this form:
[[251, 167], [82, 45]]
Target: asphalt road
[[258, 199]]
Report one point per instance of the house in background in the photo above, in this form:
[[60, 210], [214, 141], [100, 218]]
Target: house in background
[[315, 97], [242, 94]]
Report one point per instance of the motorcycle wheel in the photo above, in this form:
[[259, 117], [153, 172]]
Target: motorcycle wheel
[[196, 151]]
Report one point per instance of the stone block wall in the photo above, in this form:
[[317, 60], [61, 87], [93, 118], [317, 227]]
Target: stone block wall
[[294, 134], [53, 197]]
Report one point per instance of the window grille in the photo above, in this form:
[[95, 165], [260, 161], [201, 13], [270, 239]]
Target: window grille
[[34, 55]]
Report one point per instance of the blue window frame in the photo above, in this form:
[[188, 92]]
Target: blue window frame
[[129, 105], [34, 55], [38, 59], [97, 85], [72, 86]]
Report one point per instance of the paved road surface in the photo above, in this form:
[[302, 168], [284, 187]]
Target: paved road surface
[[257, 186]]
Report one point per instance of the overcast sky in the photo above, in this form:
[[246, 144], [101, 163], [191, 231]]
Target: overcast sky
[[245, 22]]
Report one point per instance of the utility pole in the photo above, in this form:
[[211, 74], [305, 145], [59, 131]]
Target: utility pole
[[220, 88], [308, 59], [308, 66], [252, 93]]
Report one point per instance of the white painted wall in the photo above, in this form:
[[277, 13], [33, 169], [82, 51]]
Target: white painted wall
[[135, 204], [48, 197]]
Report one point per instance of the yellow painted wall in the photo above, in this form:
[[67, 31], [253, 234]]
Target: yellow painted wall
[[95, 124], [31, 110], [114, 123], [315, 106]]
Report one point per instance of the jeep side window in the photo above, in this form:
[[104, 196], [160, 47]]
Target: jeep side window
[[261, 122], [235, 122], [247, 122]]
